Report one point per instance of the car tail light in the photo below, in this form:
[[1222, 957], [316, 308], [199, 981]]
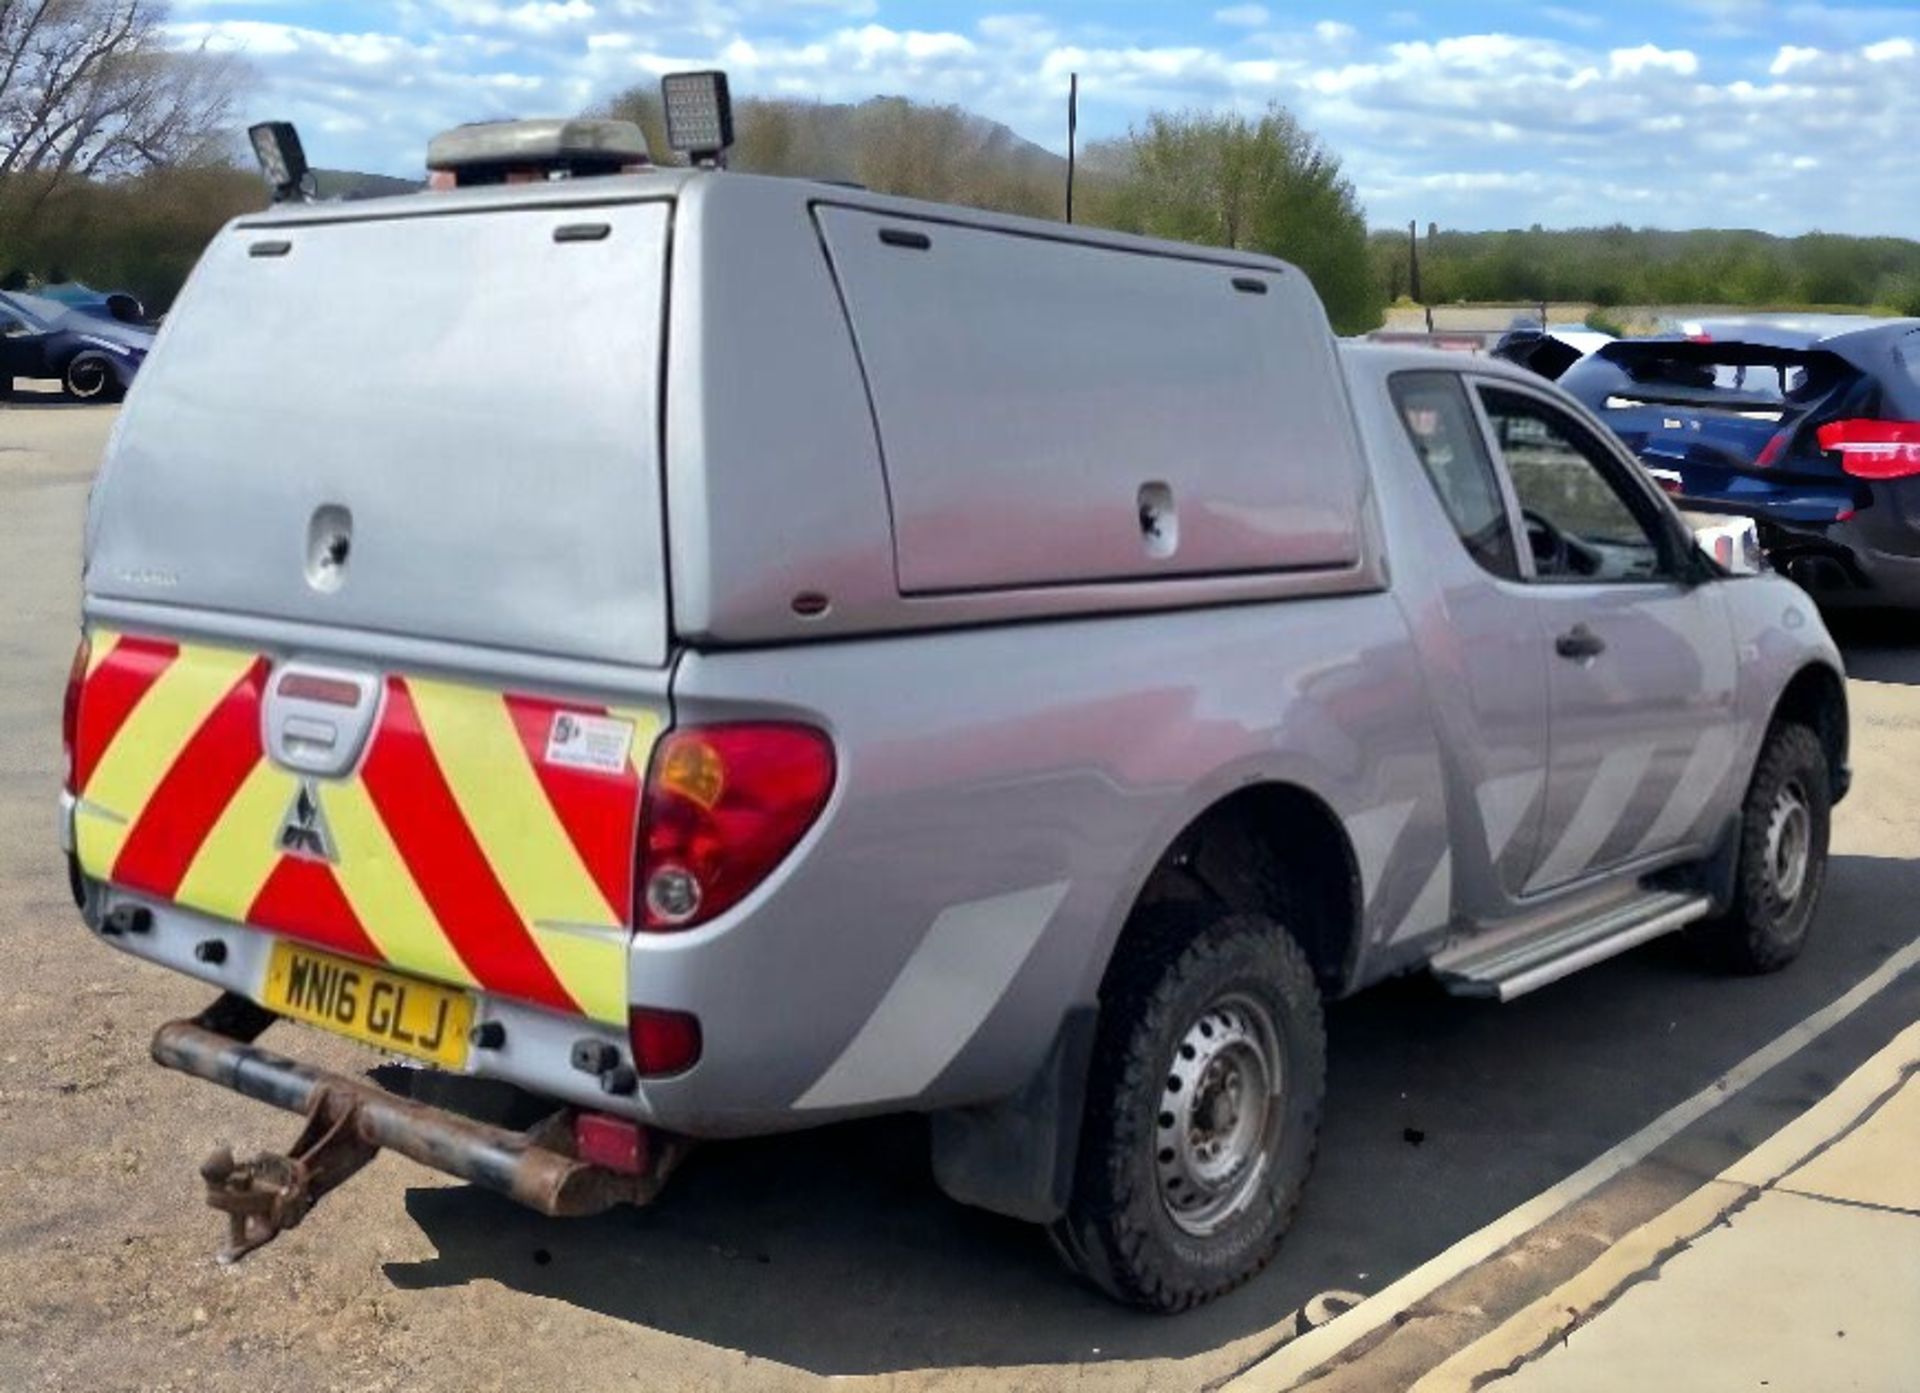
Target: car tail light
[[724, 805], [1874, 449], [70, 710], [664, 1042]]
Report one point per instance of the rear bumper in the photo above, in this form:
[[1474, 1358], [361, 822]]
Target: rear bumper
[[536, 1048], [1840, 564]]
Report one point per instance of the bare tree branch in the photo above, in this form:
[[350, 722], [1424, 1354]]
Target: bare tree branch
[[95, 88]]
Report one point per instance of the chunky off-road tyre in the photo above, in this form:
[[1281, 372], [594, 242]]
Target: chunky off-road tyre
[[1783, 858], [89, 378], [1203, 1108]]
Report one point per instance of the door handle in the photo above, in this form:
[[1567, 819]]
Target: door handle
[[1579, 642]]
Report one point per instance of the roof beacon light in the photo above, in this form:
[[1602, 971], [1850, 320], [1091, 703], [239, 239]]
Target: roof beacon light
[[699, 115], [531, 152], [276, 145]]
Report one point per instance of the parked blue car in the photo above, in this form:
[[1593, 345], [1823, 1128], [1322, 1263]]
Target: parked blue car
[[1811, 428], [93, 356]]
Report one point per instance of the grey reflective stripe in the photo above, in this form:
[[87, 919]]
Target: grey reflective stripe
[[1608, 796], [1374, 834], [1706, 770], [946, 990], [1433, 906], [1504, 802]]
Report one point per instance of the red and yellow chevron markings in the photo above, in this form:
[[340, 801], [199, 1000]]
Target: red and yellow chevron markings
[[462, 854]]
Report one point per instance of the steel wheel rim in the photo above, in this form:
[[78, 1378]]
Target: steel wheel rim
[[1789, 842], [87, 379], [1217, 1113]]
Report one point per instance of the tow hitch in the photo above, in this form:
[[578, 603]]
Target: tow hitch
[[350, 1121]]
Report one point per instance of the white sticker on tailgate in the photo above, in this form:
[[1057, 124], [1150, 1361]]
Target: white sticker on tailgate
[[578, 741]]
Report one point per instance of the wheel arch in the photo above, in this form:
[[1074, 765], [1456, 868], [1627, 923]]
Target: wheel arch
[[1274, 848], [1816, 697], [1017, 1156]]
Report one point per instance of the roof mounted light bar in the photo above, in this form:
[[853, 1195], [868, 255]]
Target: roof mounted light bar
[[525, 152]]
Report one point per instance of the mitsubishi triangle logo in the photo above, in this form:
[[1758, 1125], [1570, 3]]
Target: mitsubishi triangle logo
[[303, 831]]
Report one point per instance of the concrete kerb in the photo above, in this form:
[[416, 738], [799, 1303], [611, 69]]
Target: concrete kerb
[[1316, 1351], [1639, 1255]]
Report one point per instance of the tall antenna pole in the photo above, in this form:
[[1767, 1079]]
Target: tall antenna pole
[[1073, 122]]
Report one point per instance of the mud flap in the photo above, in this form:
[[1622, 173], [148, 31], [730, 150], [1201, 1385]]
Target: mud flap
[[1016, 1157]]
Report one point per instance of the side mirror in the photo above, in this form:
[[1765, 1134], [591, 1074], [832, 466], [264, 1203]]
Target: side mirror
[[1725, 546]]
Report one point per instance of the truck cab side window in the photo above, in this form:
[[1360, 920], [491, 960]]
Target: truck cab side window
[[1580, 525], [1439, 420]]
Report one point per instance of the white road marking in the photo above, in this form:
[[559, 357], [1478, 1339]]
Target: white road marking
[[1608, 797], [1293, 1361], [953, 980]]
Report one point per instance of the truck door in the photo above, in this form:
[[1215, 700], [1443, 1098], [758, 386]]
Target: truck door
[[1641, 670], [1480, 638]]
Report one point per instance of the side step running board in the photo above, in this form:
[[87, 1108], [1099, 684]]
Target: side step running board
[[1513, 968]]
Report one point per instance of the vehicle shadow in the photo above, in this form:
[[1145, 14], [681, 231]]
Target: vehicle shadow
[[832, 1251], [1878, 645]]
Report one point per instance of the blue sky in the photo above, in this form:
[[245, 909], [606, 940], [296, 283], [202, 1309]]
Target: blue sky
[[1778, 114]]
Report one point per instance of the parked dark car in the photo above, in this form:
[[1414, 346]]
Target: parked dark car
[[93, 357], [108, 304], [1548, 349], [1812, 430]]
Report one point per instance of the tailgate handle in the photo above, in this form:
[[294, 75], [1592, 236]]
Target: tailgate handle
[[300, 736], [318, 717]]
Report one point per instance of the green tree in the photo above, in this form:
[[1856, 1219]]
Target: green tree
[[1265, 184]]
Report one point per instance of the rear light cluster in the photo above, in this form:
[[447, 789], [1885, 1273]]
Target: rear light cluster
[[724, 805], [70, 711], [1874, 449]]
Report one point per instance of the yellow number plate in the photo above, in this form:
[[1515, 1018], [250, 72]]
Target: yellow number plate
[[380, 1008]]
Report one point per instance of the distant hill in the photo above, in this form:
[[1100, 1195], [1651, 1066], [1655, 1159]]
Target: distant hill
[[889, 144]]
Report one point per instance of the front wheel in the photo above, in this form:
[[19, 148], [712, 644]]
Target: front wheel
[[1203, 1108], [90, 378], [1783, 857]]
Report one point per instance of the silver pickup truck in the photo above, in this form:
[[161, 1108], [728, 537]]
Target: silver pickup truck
[[727, 654]]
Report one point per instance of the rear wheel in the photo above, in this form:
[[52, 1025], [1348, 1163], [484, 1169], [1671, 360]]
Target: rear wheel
[[1203, 1108], [90, 378], [1783, 857]]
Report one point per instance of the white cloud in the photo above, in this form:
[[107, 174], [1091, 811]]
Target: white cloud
[[1638, 60], [1242, 16], [1790, 57], [1464, 128]]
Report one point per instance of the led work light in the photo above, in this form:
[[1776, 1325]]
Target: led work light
[[699, 115], [276, 145]]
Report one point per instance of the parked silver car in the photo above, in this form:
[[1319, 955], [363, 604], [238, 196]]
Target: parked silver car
[[756, 653]]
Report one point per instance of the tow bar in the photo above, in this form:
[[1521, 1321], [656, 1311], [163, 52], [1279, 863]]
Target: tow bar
[[350, 1121]]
